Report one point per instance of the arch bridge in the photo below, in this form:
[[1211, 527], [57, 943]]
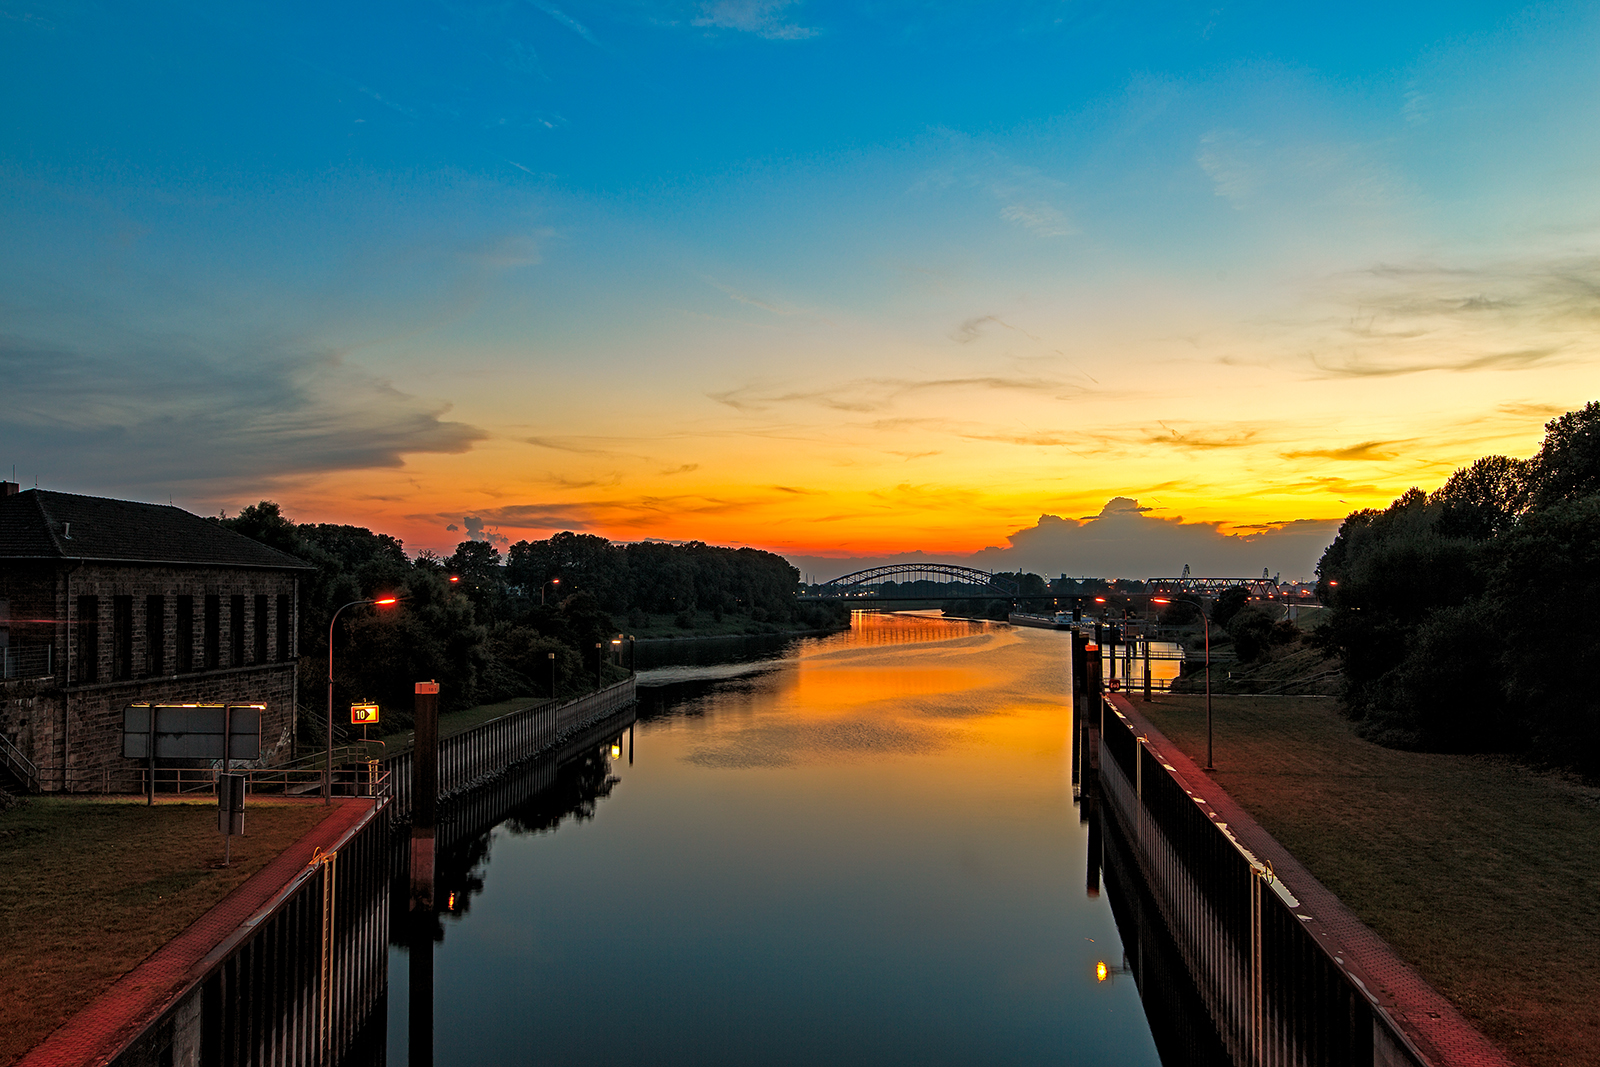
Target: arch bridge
[[869, 584]]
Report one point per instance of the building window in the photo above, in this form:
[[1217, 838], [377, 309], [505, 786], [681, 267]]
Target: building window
[[213, 631], [121, 638], [155, 634], [283, 627], [88, 640], [260, 634], [236, 630], [185, 647]]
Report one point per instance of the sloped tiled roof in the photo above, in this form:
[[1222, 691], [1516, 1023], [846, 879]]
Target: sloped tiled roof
[[40, 524]]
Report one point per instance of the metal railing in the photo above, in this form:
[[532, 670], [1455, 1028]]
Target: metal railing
[[1275, 994], [19, 765], [202, 781], [27, 661]]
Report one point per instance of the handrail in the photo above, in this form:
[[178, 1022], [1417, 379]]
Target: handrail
[[19, 764]]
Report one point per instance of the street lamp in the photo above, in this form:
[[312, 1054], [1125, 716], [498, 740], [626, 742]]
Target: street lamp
[[546, 585], [1207, 621], [327, 779]]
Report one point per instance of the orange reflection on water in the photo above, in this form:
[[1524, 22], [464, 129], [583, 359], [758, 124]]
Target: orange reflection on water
[[821, 685]]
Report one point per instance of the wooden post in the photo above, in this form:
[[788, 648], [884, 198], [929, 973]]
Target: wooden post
[[425, 795]]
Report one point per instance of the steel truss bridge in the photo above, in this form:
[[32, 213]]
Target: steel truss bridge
[[889, 584], [871, 584]]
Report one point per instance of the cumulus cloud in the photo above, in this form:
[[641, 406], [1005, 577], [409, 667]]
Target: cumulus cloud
[[1125, 540], [476, 531]]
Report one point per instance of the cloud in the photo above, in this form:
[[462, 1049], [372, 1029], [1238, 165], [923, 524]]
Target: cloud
[[764, 18], [1514, 360], [167, 412], [565, 446], [1199, 441], [972, 329], [476, 531], [1507, 314], [877, 394], [1041, 217], [1124, 540], [1223, 156], [566, 20], [1375, 450], [785, 310], [1027, 196]]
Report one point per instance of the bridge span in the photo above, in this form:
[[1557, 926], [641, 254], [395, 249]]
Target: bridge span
[[886, 583]]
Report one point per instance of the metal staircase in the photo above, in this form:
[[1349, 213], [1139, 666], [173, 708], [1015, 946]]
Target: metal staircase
[[16, 769]]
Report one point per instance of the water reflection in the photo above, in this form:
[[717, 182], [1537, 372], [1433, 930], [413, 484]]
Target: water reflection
[[1179, 1021], [865, 852]]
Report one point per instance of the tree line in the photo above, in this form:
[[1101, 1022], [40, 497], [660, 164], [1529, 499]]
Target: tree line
[[1469, 618], [490, 627]]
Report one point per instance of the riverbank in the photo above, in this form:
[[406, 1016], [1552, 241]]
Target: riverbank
[[91, 886], [1479, 872]]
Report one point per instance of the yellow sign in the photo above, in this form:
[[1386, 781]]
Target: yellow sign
[[363, 713]]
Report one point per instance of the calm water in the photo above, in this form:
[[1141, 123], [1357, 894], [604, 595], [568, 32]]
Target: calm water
[[861, 850]]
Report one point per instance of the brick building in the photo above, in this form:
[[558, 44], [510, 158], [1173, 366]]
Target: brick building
[[106, 603]]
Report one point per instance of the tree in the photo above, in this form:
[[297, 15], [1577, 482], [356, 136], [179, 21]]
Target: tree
[[1567, 465], [1483, 500]]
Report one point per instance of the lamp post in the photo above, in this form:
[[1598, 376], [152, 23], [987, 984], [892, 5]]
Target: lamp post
[[1207, 621], [327, 777], [546, 585]]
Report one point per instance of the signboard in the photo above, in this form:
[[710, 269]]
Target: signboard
[[428, 687], [362, 714], [192, 731]]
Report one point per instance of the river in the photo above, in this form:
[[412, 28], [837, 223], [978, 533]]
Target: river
[[853, 849]]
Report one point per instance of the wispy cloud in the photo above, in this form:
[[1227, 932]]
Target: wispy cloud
[[1375, 450], [1361, 368], [764, 18], [865, 395], [566, 20], [562, 445], [1200, 440], [1028, 198]]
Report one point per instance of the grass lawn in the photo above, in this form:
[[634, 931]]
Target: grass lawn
[[1482, 874], [90, 886]]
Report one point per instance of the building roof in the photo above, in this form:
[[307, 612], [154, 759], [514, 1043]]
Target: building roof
[[40, 524]]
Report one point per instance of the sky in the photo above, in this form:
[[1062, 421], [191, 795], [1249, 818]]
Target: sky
[[1078, 288]]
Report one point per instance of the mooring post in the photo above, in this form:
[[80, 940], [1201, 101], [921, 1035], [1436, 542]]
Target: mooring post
[[425, 794]]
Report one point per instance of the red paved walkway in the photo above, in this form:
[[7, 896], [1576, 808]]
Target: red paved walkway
[[99, 1032], [1426, 1018]]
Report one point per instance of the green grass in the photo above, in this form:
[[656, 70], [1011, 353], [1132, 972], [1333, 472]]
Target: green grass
[[90, 886], [1483, 874]]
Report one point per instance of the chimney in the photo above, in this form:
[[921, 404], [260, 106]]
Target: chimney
[[9, 488]]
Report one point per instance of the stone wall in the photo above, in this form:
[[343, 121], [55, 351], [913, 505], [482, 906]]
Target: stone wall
[[131, 649]]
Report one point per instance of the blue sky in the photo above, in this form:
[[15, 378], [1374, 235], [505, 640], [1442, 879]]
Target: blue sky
[[832, 279]]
